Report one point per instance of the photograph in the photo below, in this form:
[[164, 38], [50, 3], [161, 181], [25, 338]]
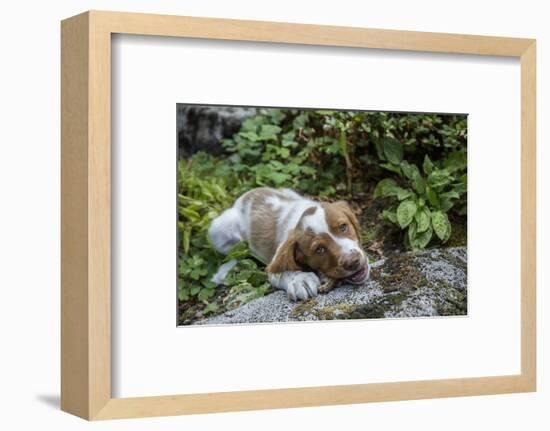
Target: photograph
[[256, 217], [287, 214]]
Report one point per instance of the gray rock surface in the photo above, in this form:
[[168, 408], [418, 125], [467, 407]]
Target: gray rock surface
[[202, 128], [420, 284]]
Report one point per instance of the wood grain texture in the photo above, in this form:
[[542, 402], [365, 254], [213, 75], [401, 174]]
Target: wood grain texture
[[308, 397], [262, 31], [86, 212], [528, 214], [85, 217], [75, 353], [99, 216]]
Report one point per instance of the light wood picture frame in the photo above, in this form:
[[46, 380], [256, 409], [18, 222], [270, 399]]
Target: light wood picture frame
[[86, 213]]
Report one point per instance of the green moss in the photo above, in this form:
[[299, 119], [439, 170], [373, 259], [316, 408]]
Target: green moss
[[303, 308], [453, 302], [370, 311], [399, 273], [339, 311], [374, 310]]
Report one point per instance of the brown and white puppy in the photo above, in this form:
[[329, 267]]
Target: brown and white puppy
[[296, 237]]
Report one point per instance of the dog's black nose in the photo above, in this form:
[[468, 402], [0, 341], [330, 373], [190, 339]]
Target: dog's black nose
[[352, 261]]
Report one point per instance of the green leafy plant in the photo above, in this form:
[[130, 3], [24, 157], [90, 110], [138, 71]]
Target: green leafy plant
[[247, 280], [206, 187], [423, 199]]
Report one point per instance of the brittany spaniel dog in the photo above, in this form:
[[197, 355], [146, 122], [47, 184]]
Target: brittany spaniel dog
[[299, 239]]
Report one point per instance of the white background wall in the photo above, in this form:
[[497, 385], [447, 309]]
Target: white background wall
[[29, 216]]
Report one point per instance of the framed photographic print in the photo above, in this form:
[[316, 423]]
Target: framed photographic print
[[267, 215]]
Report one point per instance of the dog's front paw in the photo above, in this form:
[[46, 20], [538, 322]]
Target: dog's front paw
[[302, 285]]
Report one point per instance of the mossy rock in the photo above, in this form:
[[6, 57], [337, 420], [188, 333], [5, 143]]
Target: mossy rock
[[416, 284]]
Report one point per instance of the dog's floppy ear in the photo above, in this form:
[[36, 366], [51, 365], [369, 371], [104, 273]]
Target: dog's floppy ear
[[287, 257], [346, 209]]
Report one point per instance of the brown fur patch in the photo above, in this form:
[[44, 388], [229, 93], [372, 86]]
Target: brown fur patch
[[285, 260], [263, 220], [340, 212]]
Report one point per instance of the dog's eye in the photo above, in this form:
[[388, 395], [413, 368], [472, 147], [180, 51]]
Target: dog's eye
[[320, 250], [343, 227]]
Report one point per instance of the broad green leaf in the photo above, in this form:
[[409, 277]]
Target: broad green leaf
[[269, 132], [409, 170], [422, 218], [278, 177], [419, 183], [405, 213], [422, 239], [283, 152], [439, 178], [460, 188], [392, 168], [433, 199], [390, 215], [249, 124], [308, 170], [457, 160], [441, 225], [205, 294], [239, 251], [388, 187], [183, 294], [211, 308], [208, 284], [243, 275], [251, 136], [195, 274], [445, 204], [402, 194], [393, 150], [383, 187], [301, 120], [380, 149], [428, 165]]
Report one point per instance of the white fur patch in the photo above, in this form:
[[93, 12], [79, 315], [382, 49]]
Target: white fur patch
[[347, 245], [290, 216], [274, 202], [317, 221], [297, 284]]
